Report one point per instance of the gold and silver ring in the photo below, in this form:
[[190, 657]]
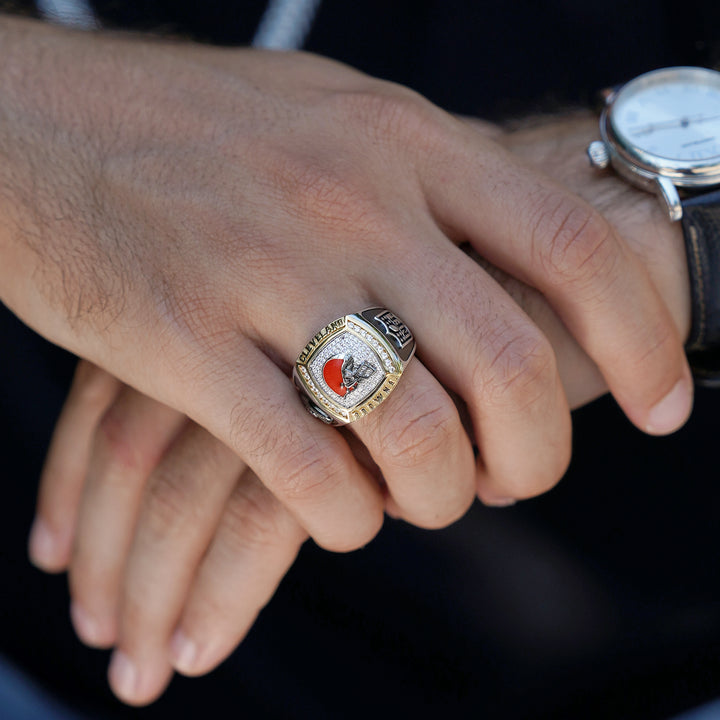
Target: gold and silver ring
[[353, 364]]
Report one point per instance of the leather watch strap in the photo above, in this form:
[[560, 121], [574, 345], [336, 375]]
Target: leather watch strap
[[701, 225]]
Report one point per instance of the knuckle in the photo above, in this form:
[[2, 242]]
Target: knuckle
[[330, 191], [389, 110], [253, 521], [192, 313], [169, 504], [520, 369], [181, 492], [574, 242], [115, 437], [421, 429], [309, 471], [253, 434]]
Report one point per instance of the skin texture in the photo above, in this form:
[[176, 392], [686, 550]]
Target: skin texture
[[170, 212], [193, 497], [557, 145]]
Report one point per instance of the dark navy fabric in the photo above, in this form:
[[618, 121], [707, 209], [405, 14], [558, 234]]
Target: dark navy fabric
[[471, 56], [598, 600]]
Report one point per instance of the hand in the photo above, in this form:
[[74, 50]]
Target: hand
[[176, 548], [186, 217], [189, 618]]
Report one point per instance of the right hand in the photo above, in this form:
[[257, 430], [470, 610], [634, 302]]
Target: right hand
[[170, 555], [186, 217]]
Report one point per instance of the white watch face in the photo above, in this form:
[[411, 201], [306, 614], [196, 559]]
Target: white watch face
[[672, 114]]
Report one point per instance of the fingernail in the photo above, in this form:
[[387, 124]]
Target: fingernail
[[671, 411], [123, 676], [183, 651], [86, 626], [501, 502], [42, 547]]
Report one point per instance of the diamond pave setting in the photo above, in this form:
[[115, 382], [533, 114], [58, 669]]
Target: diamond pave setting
[[343, 345], [348, 368]]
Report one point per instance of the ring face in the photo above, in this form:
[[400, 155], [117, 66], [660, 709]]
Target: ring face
[[353, 364]]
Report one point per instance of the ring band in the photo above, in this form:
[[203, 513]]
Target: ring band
[[353, 364]]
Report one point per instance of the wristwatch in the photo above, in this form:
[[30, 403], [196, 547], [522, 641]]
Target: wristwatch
[[661, 132]]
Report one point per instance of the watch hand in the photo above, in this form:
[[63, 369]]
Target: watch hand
[[682, 122]]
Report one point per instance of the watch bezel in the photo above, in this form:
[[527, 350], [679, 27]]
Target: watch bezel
[[642, 168]]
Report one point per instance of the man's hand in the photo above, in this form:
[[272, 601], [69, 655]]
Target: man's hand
[[187, 217], [176, 562]]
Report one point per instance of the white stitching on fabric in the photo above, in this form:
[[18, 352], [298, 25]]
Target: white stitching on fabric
[[285, 24], [72, 13], [700, 284]]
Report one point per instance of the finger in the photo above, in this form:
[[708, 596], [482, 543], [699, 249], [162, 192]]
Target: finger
[[251, 406], [182, 504], [580, 377], [130, 439], [417, 440], [255, 545], [63, 475], [422, 449], [538, 231], [479, 343]]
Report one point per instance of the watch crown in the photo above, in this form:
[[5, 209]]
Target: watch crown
[[598, 153]]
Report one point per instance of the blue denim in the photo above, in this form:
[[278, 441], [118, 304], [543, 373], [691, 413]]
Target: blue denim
[[22, 699], [710, 711]]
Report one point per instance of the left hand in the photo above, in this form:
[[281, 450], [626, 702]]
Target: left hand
[[181, 555]]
